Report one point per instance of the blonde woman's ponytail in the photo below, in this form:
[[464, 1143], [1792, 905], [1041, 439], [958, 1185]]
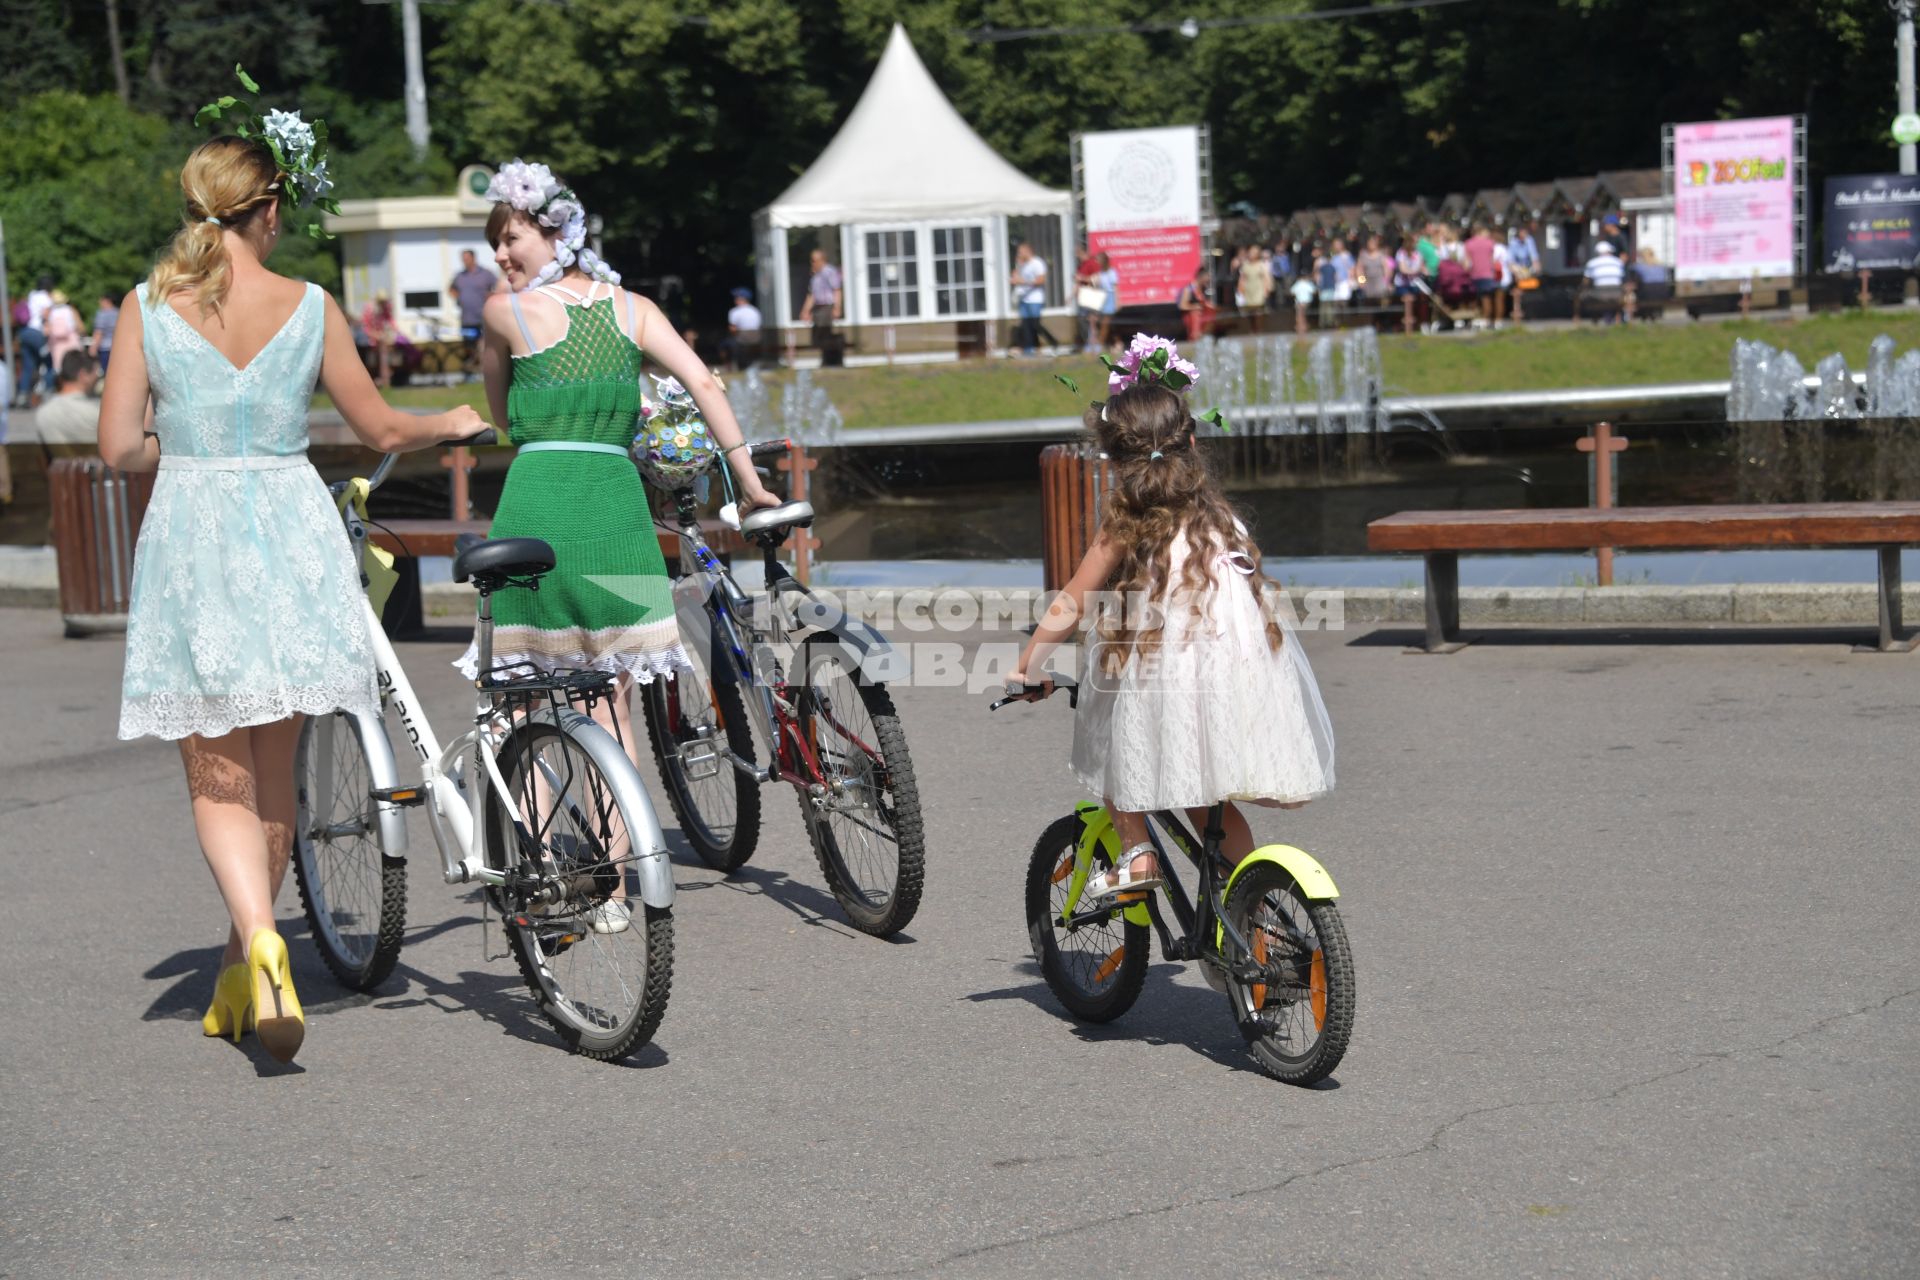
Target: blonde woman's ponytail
[[226, 182], [197, 260]]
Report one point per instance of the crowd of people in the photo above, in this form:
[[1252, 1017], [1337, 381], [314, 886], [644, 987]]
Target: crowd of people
[[1433, 276], [47, 327]]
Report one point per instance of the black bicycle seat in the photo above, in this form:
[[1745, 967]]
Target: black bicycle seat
[[784, 516], [503, 558]]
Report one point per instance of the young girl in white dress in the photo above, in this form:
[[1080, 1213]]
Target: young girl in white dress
[[1194, 689], [246, 610]]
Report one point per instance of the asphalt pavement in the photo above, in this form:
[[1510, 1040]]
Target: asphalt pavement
[[1639, 995]]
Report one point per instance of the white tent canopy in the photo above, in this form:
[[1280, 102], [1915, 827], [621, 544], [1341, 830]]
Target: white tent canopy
[[906, 154]]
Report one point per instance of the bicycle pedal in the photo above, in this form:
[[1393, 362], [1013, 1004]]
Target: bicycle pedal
[[1128, 899], [400, 795]]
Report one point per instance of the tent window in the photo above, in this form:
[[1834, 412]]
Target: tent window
[[893, 275], [960, 271]]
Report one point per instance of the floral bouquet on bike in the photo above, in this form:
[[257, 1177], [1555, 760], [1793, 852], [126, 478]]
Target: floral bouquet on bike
[[672, 446]]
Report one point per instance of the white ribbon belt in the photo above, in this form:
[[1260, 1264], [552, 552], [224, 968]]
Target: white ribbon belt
[[258, 462]]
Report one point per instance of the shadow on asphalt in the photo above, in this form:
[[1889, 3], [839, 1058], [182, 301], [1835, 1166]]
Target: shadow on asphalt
[[812, 906], [1730, 636], [499, 998], [1165, 1014]]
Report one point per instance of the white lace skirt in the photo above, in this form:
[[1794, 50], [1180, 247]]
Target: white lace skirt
[[1213, 714], [246, 602]]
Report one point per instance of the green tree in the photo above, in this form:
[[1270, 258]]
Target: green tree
[[89, 189]]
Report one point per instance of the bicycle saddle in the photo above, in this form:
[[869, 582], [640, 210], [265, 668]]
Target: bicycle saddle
[[780, 517], [503, 558]]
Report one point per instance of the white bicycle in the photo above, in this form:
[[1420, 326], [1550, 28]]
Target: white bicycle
[[537, 802]]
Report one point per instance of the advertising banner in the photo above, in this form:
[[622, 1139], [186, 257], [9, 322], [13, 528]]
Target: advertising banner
[[1873, 221], [1733, 199], [1142, 189]]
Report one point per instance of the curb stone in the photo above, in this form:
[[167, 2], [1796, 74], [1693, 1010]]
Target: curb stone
[[30, 586]]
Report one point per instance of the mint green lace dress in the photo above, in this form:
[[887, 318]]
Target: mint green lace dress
[[571, 407], [246, 604]]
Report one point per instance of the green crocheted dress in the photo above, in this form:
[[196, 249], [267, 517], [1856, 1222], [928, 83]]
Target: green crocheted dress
[[607, 603]]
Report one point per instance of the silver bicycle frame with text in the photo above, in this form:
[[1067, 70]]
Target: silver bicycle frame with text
[[453, 802]]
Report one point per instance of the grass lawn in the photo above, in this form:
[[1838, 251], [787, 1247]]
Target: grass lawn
[[1510, 360]]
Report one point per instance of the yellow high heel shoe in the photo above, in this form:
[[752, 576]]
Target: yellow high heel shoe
[[232, 1006], [276, 1010]]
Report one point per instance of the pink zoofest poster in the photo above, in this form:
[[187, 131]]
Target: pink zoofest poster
[[1733, 199]]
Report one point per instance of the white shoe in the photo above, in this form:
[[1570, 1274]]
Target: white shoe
[[610, 916], [1127, 877]]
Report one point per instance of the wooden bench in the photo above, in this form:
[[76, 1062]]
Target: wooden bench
[[411, 539], [1442, 536]]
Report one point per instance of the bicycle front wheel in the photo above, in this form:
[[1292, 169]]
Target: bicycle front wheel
[[598, 960], [1298, 1022], [692, 723], [863, 809], [1096, 968], [354, 895]]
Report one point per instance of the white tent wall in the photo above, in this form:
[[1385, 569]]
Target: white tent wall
[[923, 212]]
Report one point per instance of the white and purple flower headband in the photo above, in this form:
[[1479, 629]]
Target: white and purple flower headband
[[534, 191]]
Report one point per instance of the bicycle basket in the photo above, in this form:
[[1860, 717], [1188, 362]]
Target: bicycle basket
[[672, 445]]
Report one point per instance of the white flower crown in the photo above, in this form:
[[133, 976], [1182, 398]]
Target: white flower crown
[[534, 191]]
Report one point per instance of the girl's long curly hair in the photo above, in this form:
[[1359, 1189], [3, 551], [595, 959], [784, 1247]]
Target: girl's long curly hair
[[1154, 500]]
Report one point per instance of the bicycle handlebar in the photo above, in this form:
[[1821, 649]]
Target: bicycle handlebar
[[481, 438], [1025, 692], [770, 448]]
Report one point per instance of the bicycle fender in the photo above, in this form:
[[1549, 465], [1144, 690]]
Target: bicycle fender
[[1096, 831], [383, 772], [866, 650], [1305, 869], [650, 862]]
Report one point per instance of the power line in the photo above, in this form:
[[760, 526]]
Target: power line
[[1191, 27]]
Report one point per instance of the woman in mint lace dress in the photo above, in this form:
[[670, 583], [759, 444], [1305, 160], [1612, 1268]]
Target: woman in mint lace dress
[[246, 613], [562, 353]]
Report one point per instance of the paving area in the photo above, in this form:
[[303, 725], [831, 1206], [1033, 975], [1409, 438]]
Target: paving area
[[1639, 995]]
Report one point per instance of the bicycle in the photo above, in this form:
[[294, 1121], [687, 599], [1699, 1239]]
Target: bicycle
[[1266, 932], [537, 803], [832, 733]]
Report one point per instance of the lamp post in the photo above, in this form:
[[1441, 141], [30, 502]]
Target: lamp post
[[1903, 56]]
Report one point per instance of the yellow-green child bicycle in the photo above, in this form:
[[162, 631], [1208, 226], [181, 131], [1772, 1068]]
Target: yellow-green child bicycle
[[1266, 932]]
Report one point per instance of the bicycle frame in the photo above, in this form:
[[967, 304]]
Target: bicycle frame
[[455, 810], [1207, 919], [735, 640]]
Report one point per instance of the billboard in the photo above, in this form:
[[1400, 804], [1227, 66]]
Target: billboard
[[1873, 221], [1733, 199], [1142, 190]]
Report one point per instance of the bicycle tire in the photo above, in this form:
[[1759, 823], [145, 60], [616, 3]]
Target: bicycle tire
[[354, 895], [543, 940], [853, 864], [1321, 997], [666, 730], [1086, 993]]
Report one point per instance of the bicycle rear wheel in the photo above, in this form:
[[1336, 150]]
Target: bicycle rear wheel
[[1097, 969], [354, 895], [864, 816], [1297, 1025], [565, 861], [689, 720]]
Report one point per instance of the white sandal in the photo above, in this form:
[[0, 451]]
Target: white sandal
[[1123, 878]]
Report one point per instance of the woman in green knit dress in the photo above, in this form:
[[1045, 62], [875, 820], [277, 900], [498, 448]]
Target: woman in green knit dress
[[561, 353]]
